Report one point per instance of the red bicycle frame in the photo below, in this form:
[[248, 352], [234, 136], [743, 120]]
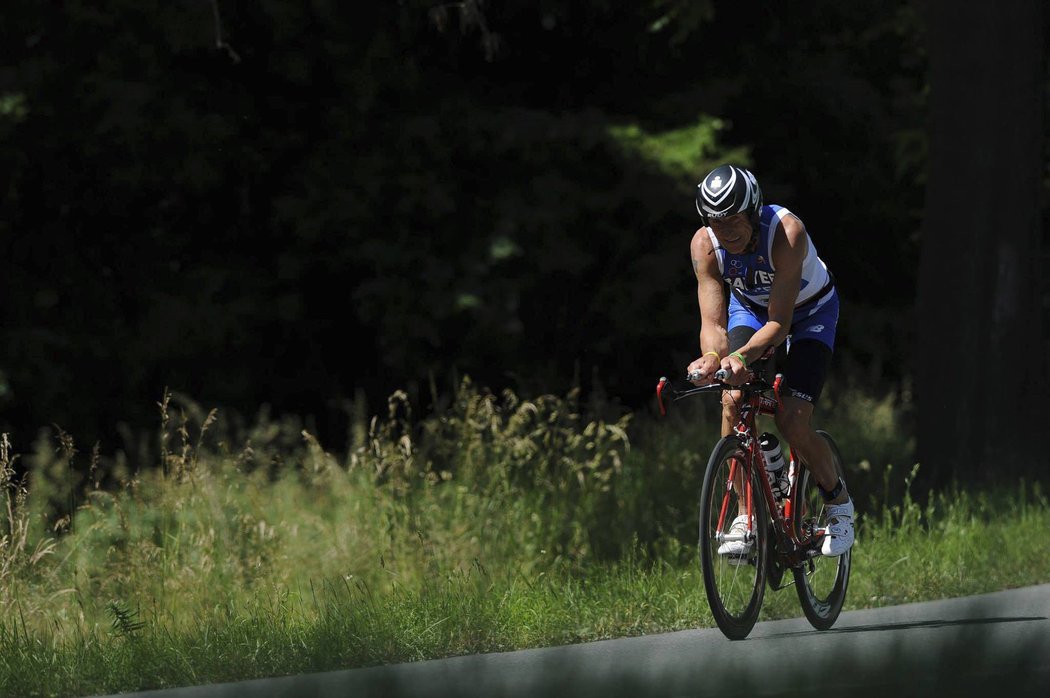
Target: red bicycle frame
[[795, 547]]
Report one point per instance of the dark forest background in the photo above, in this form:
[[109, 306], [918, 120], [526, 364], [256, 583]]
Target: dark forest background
[[301, 204]]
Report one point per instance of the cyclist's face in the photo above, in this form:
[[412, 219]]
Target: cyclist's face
[[733, 232]]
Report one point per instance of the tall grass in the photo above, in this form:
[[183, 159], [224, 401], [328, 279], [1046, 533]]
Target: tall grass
[[496, 523]]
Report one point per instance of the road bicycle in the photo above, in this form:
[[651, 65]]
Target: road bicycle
[[782, 534]]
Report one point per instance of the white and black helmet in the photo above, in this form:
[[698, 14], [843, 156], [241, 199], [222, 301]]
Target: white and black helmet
[[727, 190]]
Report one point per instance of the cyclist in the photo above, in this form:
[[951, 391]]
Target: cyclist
[[779, 289]]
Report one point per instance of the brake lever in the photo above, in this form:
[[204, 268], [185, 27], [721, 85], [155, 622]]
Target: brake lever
[[660, 395]]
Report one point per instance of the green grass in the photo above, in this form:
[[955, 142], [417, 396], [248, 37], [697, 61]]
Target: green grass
[[495, 524]]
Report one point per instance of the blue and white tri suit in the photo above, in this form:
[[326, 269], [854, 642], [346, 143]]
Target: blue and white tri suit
[[750, 278]]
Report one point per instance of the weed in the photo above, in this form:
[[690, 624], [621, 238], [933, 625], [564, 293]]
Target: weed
[[494, 523]]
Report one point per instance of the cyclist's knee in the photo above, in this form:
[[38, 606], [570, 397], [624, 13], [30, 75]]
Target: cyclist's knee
[[731, 403], [793, 418]]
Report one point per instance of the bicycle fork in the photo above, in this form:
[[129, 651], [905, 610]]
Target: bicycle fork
[[795, 548], [731, 482]]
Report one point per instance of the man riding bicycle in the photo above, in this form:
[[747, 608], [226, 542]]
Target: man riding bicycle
[[779, 290]]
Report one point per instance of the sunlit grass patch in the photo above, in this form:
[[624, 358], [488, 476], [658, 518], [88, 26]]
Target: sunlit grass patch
[[498, 523]]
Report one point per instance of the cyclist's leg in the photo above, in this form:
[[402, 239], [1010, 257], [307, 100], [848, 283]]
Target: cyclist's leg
[[804, 373], [810, 347], [738, 337], [742, 325], [811, 344]]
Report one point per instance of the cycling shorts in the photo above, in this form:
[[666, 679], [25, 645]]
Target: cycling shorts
[[805, 356]]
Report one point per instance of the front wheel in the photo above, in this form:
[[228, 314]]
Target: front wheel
[[735, 577], [821, 582]]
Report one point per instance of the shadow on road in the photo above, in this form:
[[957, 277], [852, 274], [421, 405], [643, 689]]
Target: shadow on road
[[906, 626]]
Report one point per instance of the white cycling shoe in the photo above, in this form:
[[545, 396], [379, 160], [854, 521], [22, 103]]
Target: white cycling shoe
[[736, 551], [838, 532]]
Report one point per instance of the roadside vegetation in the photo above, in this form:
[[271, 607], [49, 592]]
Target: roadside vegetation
[[494, 523]]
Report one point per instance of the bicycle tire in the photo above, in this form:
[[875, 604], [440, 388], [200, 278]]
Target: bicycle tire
[[734, 585], [821, 582]]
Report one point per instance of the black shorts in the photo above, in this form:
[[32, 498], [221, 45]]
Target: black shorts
[[804, 365]]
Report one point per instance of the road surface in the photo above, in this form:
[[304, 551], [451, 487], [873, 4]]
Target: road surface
[[996, 642]]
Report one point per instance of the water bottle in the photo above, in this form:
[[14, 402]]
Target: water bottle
[[776, 469]]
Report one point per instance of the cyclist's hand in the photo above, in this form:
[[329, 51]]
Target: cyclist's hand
[[738, 375], [705, 367]]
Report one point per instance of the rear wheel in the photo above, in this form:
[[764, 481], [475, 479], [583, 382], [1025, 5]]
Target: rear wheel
[[821, 582], [734, 581]]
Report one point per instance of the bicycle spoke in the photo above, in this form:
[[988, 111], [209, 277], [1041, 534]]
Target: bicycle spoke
[[821, 583], [734, 578]]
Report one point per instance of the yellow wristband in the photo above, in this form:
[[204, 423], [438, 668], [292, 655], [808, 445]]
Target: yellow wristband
[[717, 357], [741, 357]]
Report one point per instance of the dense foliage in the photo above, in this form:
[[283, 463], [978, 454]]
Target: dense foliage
[[285, 202]]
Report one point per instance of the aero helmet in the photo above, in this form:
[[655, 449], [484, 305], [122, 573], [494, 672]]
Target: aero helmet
[[727, 190]]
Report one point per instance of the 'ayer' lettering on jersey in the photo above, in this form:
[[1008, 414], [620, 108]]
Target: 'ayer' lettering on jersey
[[759, 278]]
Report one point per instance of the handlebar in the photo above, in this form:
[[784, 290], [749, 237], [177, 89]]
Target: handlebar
[[756, 382], [666, 390]]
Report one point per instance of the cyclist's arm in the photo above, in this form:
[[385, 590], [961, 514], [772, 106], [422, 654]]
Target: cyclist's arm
[[789, 252], [710, 296]]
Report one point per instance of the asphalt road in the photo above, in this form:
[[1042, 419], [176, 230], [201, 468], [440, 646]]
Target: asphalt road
[[981, 645]]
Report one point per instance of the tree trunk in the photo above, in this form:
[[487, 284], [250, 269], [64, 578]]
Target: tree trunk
[[982, 337]]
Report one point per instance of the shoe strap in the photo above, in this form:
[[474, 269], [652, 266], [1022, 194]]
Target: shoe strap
[[829, 495]]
